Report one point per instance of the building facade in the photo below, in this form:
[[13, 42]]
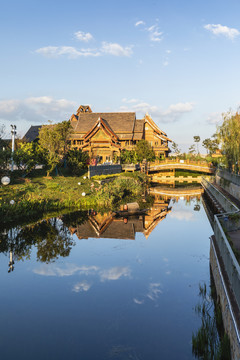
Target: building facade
[[105, 135]]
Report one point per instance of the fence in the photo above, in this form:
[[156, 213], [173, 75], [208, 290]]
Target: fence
[[235, 179], [103, 170], [231, 264], [226, 204]]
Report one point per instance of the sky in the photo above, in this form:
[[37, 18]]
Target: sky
[[177, 60]]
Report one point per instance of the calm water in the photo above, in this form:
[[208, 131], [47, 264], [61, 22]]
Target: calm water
[[83, 294]]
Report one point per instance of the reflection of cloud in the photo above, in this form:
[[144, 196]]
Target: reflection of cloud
[[139, 302], [168, 272], [114, 273], [182, 215], [81, 286], [69, 270], [154, 291]]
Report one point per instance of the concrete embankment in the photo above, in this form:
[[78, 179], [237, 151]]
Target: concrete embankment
[[225, 267]]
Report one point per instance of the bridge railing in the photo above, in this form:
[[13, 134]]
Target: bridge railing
[[179, 161]]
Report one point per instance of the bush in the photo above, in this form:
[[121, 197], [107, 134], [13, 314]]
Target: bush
[[77, 160]]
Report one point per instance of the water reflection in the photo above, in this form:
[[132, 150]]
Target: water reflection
[[55, 237], [105, 297]]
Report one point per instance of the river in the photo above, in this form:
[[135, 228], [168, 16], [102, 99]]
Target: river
[[97, 286]]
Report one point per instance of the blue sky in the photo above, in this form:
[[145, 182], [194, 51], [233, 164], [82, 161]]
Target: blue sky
[[176, 60]]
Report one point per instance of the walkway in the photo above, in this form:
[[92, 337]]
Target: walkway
[[181, 164]]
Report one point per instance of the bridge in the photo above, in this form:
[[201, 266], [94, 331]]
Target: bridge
[[178, 192], [199, 166]]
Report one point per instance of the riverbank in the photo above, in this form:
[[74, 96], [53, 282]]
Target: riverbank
[[37, 195]]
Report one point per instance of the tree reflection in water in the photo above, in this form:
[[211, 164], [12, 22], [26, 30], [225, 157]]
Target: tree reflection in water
[[51, 238]]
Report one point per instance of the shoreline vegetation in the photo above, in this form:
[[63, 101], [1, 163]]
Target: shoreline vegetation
[[35, 196]]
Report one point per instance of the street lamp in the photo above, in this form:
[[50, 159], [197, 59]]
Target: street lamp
[[13, 131]]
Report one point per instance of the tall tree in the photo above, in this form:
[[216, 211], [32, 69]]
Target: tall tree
[[196, 140], [175, 148], [144, 151], [211, 145], [229, 137], [53, 139]]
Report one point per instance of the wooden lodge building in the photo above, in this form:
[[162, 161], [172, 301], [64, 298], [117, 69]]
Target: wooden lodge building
[[104, 135]]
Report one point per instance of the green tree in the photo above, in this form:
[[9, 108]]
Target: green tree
[[144, 151], [128, 157], [176, 149], [27, 156], [197, 140], [192, 149], [211, 145], [228, 135], [77, 160], [53, 139]]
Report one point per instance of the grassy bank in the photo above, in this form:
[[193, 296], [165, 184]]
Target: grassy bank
[[37, 195]]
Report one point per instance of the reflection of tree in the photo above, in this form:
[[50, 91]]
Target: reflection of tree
[[197, 207], [75, 218], [51, 238], [210, 342]]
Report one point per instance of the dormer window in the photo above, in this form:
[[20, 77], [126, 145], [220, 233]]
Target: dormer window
[[84, 109]]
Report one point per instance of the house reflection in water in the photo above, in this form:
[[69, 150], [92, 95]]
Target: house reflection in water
[[110, 226]]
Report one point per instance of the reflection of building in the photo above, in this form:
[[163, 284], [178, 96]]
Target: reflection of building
[[112, 227], [104, 135]]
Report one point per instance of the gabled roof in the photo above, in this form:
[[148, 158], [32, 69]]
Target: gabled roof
[[100, 124], [118, 122], [32, 134]]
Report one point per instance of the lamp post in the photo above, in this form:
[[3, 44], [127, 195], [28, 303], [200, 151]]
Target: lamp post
[[13, 131]]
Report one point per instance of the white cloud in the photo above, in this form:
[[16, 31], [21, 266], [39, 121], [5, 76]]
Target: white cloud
[[36, 109], [218, 29], [116, 49], [154, 33], [81, 286], [69, 51], [115, 273], [129, 101], [82, 36], [214, 118], [140, 22], [73, 53], [171, 114], [179, 108]]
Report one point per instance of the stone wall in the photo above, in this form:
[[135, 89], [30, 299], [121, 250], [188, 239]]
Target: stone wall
[[229, 182], [229, 321]]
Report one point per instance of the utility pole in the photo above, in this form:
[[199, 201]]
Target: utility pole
[[13, 131]]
